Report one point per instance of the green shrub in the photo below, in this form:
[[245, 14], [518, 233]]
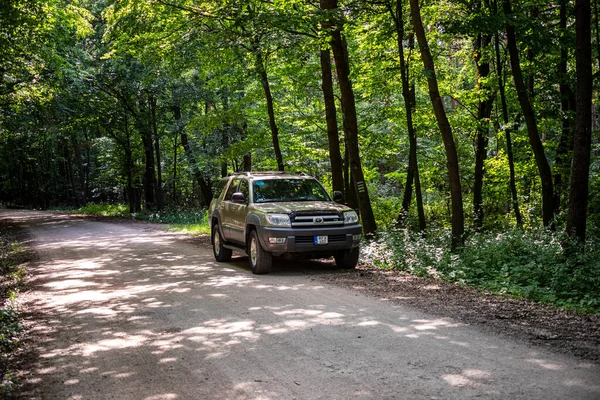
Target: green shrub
[[104, 209], [533, 264]]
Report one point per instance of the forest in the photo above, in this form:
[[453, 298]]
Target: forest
[[465, 132]]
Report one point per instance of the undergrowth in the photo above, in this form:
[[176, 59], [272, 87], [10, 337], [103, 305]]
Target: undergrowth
[[188, 221], [533, 264], [12, 278]]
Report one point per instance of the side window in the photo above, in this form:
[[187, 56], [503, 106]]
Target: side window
[[244, 188], [220, 187], [232, 189]]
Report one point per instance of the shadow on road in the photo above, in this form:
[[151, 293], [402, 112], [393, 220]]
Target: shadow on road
[[121, 311]]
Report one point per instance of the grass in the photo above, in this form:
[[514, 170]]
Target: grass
[[194, 222], [192, 229]]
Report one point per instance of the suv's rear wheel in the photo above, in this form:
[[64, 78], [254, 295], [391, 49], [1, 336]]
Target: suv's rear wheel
[[260, 259], [221, 253], [347, 259]]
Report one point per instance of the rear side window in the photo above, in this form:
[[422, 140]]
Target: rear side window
[[220, 187]]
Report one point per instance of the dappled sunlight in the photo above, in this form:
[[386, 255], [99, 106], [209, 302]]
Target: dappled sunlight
[[170, 314], [468, 377], [547, 364]]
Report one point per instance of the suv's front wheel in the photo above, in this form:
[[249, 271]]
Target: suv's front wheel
[[260, 259], [347, 259], [221, 253]]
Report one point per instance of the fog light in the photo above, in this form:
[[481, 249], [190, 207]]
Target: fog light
[[276, 240], [356, 238]]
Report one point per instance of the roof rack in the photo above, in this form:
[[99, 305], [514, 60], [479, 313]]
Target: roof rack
[[254, 173]]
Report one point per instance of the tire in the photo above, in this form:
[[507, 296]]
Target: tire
[[347, 259], [259, 259], [221, 253]]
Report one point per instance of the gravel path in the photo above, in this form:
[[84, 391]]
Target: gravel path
[[126, 311]]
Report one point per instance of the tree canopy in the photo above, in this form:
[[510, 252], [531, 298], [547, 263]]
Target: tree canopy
[[479, 115]]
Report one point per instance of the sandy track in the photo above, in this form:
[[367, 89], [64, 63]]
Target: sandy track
[[123, 311]]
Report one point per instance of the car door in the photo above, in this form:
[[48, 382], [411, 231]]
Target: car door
[[238, 214], [227, 209]]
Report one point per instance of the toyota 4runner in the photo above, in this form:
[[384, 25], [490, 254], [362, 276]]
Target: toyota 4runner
[[266, 214]]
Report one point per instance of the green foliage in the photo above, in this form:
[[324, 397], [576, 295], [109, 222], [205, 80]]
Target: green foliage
[[192, 229], [533, 264], [189, 221], [10, 328], [104, 209], [12, 278]]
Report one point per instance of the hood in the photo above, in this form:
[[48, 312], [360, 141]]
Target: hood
[[288, 207]]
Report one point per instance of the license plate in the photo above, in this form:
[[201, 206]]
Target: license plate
[[321, 240]]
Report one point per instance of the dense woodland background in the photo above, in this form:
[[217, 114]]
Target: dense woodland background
[[468, 117]]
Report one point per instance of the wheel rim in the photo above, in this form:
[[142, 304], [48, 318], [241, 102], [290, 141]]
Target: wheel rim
[[217, 243], [253, 251]]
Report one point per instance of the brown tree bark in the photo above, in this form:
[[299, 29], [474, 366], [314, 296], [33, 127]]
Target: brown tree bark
[[204, 184], [264, 80], [335, 156], [530, 119], [458, 219], [578, 196], [340, 54], [567, 106], [408, 94], [146, 135], [507, 130], [159, 193], [484, 111]]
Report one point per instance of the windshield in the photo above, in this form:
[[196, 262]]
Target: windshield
[[272, 190]]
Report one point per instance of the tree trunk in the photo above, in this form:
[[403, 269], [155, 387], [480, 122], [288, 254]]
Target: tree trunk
[[567, 105], [509, 150], [408, 94], [146, 134], [340, 55], [264, 79], [530, 119], [80, 171], [335, 156], [458, 219], [205, 187], [159, 193], [175, 147], [129, 166], [248, 162], [578, 197], [484, 111]]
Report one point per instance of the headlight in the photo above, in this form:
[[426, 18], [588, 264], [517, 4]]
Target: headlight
[[278, 219], [350, 217]]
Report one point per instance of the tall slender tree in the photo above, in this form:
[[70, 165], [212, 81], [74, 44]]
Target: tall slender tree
[[408, 94], [530, 119], [340, 53], [458, 218], [578, 196]]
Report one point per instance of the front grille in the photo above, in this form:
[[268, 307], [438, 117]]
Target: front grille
[[316, 218], [337, 238], [311, 239], [305, 239]]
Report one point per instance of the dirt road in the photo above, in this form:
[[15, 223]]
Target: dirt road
[[124, 311]]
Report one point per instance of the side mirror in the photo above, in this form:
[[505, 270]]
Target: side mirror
[[238, 197], [338, 196]]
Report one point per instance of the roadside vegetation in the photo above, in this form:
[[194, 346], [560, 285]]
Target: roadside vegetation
[[194, 222], [12, 278]]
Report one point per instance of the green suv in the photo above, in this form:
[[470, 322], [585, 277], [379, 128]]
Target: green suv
[[266, 214]]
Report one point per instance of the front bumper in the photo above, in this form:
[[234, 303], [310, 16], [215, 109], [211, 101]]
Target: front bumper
[[301, 240]]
